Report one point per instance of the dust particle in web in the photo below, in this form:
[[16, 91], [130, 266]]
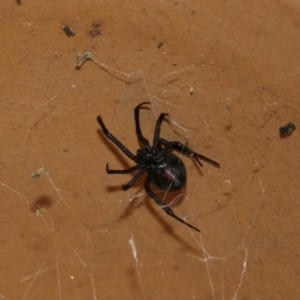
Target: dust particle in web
[[37, 174], [82, 57]]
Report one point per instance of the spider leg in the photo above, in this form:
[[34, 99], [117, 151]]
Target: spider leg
[[137, 124], [186, 150], [125, 171], [157, 131], [134, 179], [168, 210], [115, 140]]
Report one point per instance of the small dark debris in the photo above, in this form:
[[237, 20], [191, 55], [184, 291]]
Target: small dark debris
[[69, 31], [96, 24], [160, 44], [95, 31], [287, 130], [228, 127], [19, 2]]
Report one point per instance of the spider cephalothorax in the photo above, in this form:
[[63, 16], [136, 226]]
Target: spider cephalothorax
[[165, 169]]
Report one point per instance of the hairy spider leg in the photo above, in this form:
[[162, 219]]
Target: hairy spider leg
[[170, 145], [124, 171], [177, 145], [157, 131], [186, 150], [134, 179], [168, 210], [115, 140], [127, 152], [138, 127]]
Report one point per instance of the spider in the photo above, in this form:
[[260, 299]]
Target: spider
[[165, 170]]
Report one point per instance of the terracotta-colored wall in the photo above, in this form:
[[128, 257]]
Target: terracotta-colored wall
[[227, 72]]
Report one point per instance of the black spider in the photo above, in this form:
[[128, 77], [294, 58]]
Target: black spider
[[165, 169]]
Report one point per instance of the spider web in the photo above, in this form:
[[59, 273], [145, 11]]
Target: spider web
[[70, 232]]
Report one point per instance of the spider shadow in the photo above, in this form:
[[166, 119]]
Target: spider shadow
[[171, 199], [130, 208], [166, 222], [41, 202], [164, 219], [197, 166], [119, 187]]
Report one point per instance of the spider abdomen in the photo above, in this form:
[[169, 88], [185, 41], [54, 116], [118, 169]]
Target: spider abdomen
[[169, 174]]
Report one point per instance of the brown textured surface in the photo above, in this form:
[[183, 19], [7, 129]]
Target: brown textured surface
[[227, 73]]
